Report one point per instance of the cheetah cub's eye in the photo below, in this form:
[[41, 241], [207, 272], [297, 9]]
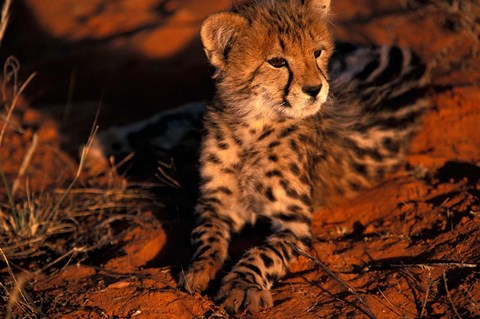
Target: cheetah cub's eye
[[317, 53], [277, 62]]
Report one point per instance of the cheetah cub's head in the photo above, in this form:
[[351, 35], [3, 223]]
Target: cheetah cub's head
[[271, 57]]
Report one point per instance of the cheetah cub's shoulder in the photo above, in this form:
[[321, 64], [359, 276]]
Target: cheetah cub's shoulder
[[271, 136]]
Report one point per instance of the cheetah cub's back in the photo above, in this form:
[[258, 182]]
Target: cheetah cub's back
[[272, 136]]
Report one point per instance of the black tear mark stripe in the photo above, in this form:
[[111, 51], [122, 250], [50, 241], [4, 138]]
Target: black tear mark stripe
[[286, 90], [322, 73], [253, 75]]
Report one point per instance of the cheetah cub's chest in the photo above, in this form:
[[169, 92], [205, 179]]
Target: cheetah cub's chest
[[266, 167]]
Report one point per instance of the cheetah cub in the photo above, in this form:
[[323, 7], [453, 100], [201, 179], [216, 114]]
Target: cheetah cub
[[274, 137]]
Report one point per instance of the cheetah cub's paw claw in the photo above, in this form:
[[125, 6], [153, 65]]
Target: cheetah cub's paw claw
[[237, 296], [198, 276]]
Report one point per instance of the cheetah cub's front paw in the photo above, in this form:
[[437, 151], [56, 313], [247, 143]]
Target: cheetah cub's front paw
[[198, 276], [237, 295]]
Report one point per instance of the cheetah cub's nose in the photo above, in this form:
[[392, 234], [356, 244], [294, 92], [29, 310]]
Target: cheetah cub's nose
[[312, 90]]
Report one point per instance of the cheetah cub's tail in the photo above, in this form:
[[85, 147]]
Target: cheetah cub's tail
[[379, 97]]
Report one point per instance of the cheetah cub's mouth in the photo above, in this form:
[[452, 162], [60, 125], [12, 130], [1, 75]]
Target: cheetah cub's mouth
[[270, 63]]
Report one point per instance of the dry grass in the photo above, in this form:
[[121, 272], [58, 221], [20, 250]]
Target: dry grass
[[4, 19], [64, 222]]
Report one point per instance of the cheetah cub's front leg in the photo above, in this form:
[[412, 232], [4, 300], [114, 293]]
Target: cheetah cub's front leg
[[217, 213], [247, 286]]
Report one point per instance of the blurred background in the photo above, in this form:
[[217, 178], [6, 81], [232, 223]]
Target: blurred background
[[142, 56]]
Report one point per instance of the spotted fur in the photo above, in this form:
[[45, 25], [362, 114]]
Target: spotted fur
[[276, 140]]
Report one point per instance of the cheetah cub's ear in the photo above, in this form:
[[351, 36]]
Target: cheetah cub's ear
[[318, 5], [218, 33]]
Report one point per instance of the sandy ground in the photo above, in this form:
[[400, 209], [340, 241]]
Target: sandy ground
[[408, 248]]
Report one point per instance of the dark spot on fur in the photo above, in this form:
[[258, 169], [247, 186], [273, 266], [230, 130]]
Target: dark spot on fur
[[360, 168], [197, 234], [212, 158], [273, 158], [379, 172], [294, 145], [227, 171], [292, 218], [287, 131], [222, 146], [274, 172], [225, 190], [294, 208], [206, 179], [273, 277], [267, 261], [391, 145], [273, 144], [265, 134], [212, 240], [253, 268], [203, 250], [258, 187], [276, 252], [354, 186], [304, 198], [294, 168], [269, 194]]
